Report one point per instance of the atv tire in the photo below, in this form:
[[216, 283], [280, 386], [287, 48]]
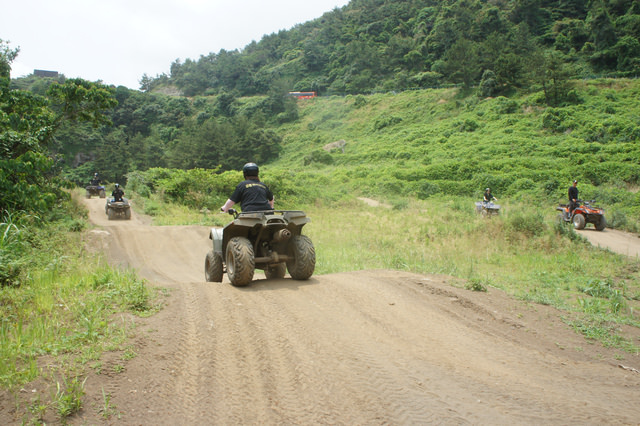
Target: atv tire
[[111, 214], [579, 221], [240, 261], [103, 194], [213, 267], [602, 223], [276, 271], [302, 257], [127, 214]]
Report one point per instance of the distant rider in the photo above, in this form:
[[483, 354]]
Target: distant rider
[[252, 194], [117, 193], [488, 197], [95, 181], [573, 197]]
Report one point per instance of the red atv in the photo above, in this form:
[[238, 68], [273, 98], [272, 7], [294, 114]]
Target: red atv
[[583, 214]]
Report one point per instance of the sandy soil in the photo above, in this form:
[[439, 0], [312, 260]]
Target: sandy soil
[[356, 348]]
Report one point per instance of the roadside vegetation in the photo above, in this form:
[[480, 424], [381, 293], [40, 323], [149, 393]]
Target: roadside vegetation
[[61, 307]]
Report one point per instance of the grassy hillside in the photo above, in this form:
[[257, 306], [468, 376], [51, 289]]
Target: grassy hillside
[[421, 143]]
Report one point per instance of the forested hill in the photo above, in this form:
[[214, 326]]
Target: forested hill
[[383, 45]]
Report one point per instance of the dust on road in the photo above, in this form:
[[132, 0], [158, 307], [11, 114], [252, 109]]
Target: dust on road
[[367, 347]]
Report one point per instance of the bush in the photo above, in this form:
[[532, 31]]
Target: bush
[[318, 156], [527, 224]]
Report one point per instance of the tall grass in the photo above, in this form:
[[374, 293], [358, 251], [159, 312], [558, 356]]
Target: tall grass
[[62, 305]]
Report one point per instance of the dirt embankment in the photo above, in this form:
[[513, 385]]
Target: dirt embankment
[[367, 347]]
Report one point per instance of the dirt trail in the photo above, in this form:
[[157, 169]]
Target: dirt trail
[[367, 347], [617, 241]]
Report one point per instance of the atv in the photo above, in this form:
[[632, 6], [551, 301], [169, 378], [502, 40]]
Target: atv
[[487, 208], [115, 208], [268, 240], [95, 190], [585, 213]]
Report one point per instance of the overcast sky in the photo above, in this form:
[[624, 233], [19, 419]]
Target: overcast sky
[[117, 41]]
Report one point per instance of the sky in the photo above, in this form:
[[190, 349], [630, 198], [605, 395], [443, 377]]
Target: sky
[[118, 41]]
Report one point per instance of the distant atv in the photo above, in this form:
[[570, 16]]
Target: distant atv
[[95, 190], [583, 214], [487, 208], [118, 209], [267, 240]]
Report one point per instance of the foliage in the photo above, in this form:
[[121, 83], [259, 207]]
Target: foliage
[[28, 122], [371, 45]]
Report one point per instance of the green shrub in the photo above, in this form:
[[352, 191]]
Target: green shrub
[[318, 156], [526, 224]]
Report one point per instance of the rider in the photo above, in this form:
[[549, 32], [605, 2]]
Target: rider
[[95, 181], [252, 194], [573, 197], [487, 197], [117, 193]]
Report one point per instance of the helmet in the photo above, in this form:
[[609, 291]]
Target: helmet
[[487, 189], [250, 169], [117, 185], [95, 175]]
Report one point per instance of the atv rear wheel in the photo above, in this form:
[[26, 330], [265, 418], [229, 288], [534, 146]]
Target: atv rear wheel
[[240, 261], [276, 271], [213, 267], [111, 214], [302, 257], [103, 194], [579, 221], [602, 223], [127, 214]]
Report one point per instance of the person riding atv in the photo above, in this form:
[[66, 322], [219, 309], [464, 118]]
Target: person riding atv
[[259, 237]]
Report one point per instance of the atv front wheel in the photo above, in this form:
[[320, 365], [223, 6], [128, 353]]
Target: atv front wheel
[[276, 271], [213, 267], [602, 223], [240, 261], [302, 257], [579, 221]]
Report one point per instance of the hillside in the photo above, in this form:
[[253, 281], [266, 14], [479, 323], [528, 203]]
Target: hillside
[[421, 143], [383, 45]]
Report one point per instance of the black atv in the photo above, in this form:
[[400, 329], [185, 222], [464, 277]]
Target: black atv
[[115, 209], [268, 240], [97, 190]]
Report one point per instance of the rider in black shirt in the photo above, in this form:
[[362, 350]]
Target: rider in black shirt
[[117, 193], [252, 194]]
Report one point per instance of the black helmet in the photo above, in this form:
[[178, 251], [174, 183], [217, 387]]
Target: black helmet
[[250, 169]]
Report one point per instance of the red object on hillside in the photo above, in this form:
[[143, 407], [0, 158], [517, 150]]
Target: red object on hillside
[[303, 95]]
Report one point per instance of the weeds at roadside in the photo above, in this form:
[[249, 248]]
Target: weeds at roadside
[[68, 397], [108, 409]]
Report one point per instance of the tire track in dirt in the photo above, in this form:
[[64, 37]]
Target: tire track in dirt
[[367, 347]]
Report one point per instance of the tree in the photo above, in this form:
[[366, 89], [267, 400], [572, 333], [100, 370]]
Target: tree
[[553, 74], [462, 62]]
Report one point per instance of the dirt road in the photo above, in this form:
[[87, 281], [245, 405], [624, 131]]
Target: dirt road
[[357, 348], [616, 241]]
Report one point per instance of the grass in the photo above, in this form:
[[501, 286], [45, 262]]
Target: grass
[[64, 304]]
